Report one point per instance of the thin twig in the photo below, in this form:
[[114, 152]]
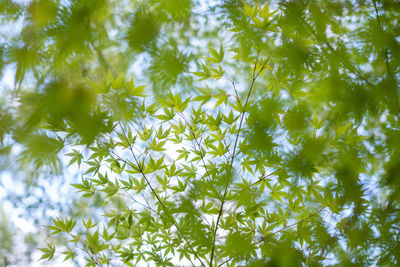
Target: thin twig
[[254, 77], [102, 60], [265, 177], [86, 250], [280, 230], [291, 225], [140, 169], [378, 18], [199, 150], [347, 64]]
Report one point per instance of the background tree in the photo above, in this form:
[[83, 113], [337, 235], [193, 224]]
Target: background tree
[[286, 155]]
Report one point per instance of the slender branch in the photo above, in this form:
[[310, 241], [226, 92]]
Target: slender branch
[[201, 155], [91, 256], [141, 204], [236, 91], [86, 250], [389, 72], [347, 64], [225, 262], [103, 61], [265, 177], [148, 205], [140, 169], [293, 224], [280, 230], [197, 143], [125, 161], [378, 18], [254, 77]]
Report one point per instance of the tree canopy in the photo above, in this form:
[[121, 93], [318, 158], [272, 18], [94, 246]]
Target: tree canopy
[[221, 133]]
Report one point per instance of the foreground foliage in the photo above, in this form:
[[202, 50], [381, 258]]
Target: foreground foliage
[[285, 154]]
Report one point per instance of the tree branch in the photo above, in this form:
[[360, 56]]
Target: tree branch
[[140, 169], [265, 177], [254, 77], [347, 64], [280, 230], [293, 224]]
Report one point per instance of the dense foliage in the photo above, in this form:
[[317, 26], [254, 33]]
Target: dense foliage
[[223, 134]]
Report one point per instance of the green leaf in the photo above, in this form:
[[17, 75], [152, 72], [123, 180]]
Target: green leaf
[[48, 252], [249, 11]]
